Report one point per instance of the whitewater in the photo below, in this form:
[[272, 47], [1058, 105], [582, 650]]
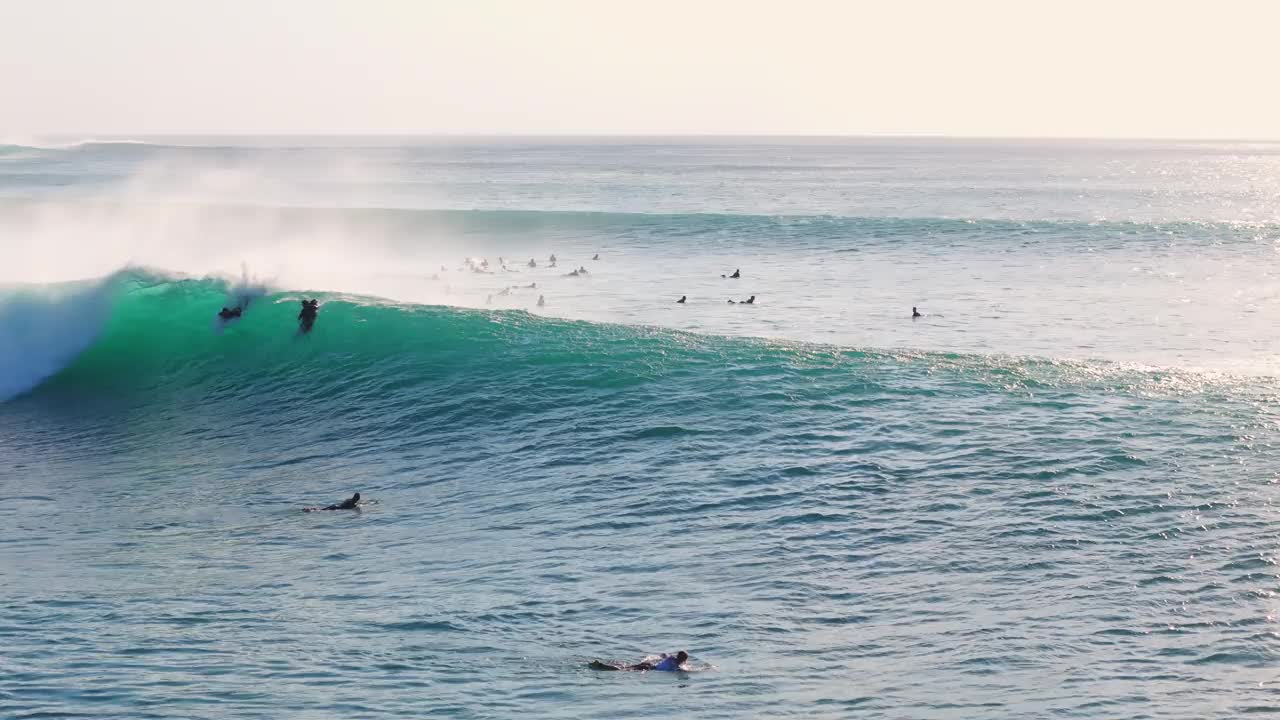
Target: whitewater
[[1050, 496]]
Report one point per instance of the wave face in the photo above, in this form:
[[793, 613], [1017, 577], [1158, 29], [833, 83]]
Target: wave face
[[151, 334]]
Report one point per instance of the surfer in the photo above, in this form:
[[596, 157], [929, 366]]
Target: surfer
[[668, 663], [682, 299], [582, 270], [350, 503], [542, 301], [915, 313], [596, 256], [749, 301], [229, 314], [307, 317], [552, 259], [736, 274], [533, 263]]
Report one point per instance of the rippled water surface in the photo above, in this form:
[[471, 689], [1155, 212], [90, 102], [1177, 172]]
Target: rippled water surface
[[838, 512]]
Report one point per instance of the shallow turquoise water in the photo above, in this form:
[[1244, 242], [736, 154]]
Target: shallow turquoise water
[[837, 511]]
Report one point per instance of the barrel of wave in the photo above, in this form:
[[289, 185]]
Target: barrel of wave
[[44, 327]]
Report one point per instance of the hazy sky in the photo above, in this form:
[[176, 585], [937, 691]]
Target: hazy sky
[[968, 67]]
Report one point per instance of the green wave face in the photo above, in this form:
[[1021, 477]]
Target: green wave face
[[163, 343]]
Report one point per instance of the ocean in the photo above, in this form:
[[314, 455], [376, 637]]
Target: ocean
[[1050, 496]]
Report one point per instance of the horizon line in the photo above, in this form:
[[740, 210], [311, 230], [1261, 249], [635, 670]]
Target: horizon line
[[653, 135]]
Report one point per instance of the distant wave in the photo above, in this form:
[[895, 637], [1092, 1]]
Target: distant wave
[[28, 144], [828, 230]]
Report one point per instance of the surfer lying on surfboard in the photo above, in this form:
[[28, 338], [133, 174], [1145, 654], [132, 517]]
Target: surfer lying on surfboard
[[350, 503], [668, 663]]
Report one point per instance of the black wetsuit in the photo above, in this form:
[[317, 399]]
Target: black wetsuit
[[350, 503], [307, 317]]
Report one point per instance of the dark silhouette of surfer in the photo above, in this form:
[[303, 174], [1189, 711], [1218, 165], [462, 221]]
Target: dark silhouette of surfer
[[749, 301], [736, 274], [234, 313], [915, 313], [682, 299], [307, 317], [350, 503]]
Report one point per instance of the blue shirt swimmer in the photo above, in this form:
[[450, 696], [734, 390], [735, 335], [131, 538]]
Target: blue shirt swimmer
[[668, 663], [671, 663]]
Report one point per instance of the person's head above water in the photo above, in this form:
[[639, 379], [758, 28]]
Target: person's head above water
[[356, 498], [681, 657]]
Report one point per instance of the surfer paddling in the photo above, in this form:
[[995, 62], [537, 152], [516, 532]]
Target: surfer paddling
[[667, 663], [350, 503]]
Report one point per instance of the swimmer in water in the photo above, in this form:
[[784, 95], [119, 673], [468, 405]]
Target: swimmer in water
[[915, 313], [542, 301], [532, 286], [749, 301], [552, 259], [596, 256], [736, 274], [682, 299], [668, 663], [228, 314], [350, 503], [582, 270], [532, 263]]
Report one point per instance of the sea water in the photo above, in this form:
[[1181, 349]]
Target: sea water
[[1049, 496]]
